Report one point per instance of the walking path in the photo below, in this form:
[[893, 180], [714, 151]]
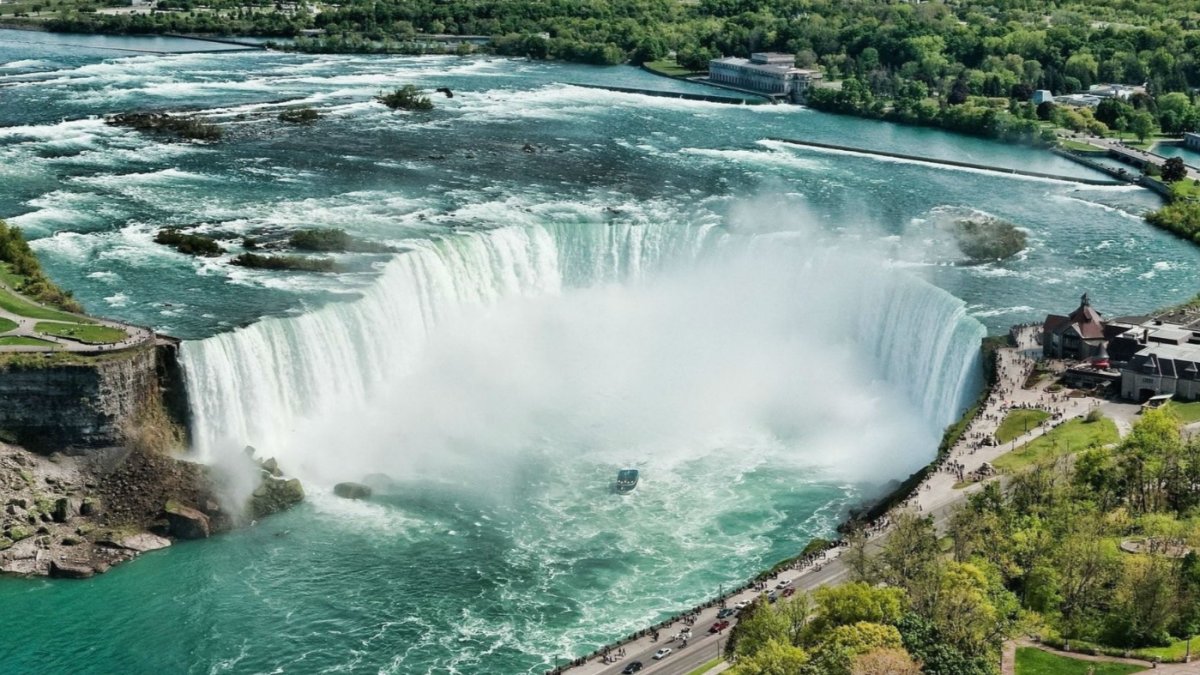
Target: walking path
[[1009, 658], [27, 327], [936, 497]]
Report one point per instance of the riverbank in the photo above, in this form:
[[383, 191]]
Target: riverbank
[[76, 516], [937, 495]]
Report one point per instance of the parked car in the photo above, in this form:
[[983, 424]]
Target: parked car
[[789, 592], [632, 668], [783, 583], [662, 653], [718, 627], [727, 612], [772, 597], [742, 605]]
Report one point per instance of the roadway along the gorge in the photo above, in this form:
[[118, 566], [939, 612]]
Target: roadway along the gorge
[[935, 497]]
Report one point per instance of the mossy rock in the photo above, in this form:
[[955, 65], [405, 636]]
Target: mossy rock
[[17, 533], [988, 238], [5, 543]]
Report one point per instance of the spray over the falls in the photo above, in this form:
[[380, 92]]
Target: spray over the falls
[[620, 340]]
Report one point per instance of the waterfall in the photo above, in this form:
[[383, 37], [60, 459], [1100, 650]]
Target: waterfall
[[258, 384]]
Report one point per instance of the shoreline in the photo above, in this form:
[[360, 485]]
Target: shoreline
[[819, 548], [936, 496]]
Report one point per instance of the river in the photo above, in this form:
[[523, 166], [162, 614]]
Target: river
[[590, 280]]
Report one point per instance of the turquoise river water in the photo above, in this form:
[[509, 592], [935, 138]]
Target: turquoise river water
[[768, 333]]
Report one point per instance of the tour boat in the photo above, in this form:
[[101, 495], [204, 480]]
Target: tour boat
[[627, 480]]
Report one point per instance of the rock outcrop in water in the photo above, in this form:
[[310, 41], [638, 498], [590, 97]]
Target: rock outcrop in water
[[352, 491], [985, 239], [182, 126], [75, 516]]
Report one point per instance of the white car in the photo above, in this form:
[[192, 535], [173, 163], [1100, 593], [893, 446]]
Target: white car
[[783, 583], [742, 605], [662, 653]]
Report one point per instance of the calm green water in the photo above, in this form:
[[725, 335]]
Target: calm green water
[[655, 286]]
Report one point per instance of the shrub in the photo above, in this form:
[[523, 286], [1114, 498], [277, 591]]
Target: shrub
[[407, 97]]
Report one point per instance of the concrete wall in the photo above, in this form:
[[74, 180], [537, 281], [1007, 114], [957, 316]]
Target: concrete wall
[[77, 407], [1133, 383]]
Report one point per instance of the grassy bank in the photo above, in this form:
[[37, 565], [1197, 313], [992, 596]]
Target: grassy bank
[[1031, 661], [1018, 422], [669, 68], [1068, 437]]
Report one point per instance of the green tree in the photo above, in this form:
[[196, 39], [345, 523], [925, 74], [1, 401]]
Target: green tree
[[1142, 125], [1174, 170], [775, 657], [758, 624], [835, 653]]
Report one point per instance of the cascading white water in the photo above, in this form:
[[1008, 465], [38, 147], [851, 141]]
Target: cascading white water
[[265, 384]]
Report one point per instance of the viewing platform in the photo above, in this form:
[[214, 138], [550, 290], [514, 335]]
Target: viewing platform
[[28, 326]]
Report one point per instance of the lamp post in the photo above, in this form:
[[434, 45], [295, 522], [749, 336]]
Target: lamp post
[[721, 594]]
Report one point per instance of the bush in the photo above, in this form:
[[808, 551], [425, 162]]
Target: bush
[[34, 283], [407, 97], [1094, 415]]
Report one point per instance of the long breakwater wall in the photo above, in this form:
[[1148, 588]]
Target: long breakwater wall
[[708, 98], [948, 162]]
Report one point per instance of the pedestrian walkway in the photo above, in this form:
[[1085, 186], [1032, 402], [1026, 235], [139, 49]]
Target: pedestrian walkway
[[936, 497], [27, 328]]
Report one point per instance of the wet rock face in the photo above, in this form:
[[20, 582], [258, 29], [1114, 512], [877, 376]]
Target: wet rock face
[[186, 522], [70, 570], [352, 490], [274, 495], [73, 408]]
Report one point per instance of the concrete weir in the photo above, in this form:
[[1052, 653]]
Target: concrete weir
[[708, 98], [948, 162]]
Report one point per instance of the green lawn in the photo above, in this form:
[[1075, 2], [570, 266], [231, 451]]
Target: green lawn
[[7, 324], [1069, 144], [1017, 422], [82, 333], [22, 307], [1188, 412], [1185, 189], [1069, 437], [706, 667], [669, 67], [1172, 652], [1032, 661], [22, 341]]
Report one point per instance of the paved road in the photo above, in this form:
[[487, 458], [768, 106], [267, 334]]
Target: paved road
[[1118, 147], [936, 497]]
